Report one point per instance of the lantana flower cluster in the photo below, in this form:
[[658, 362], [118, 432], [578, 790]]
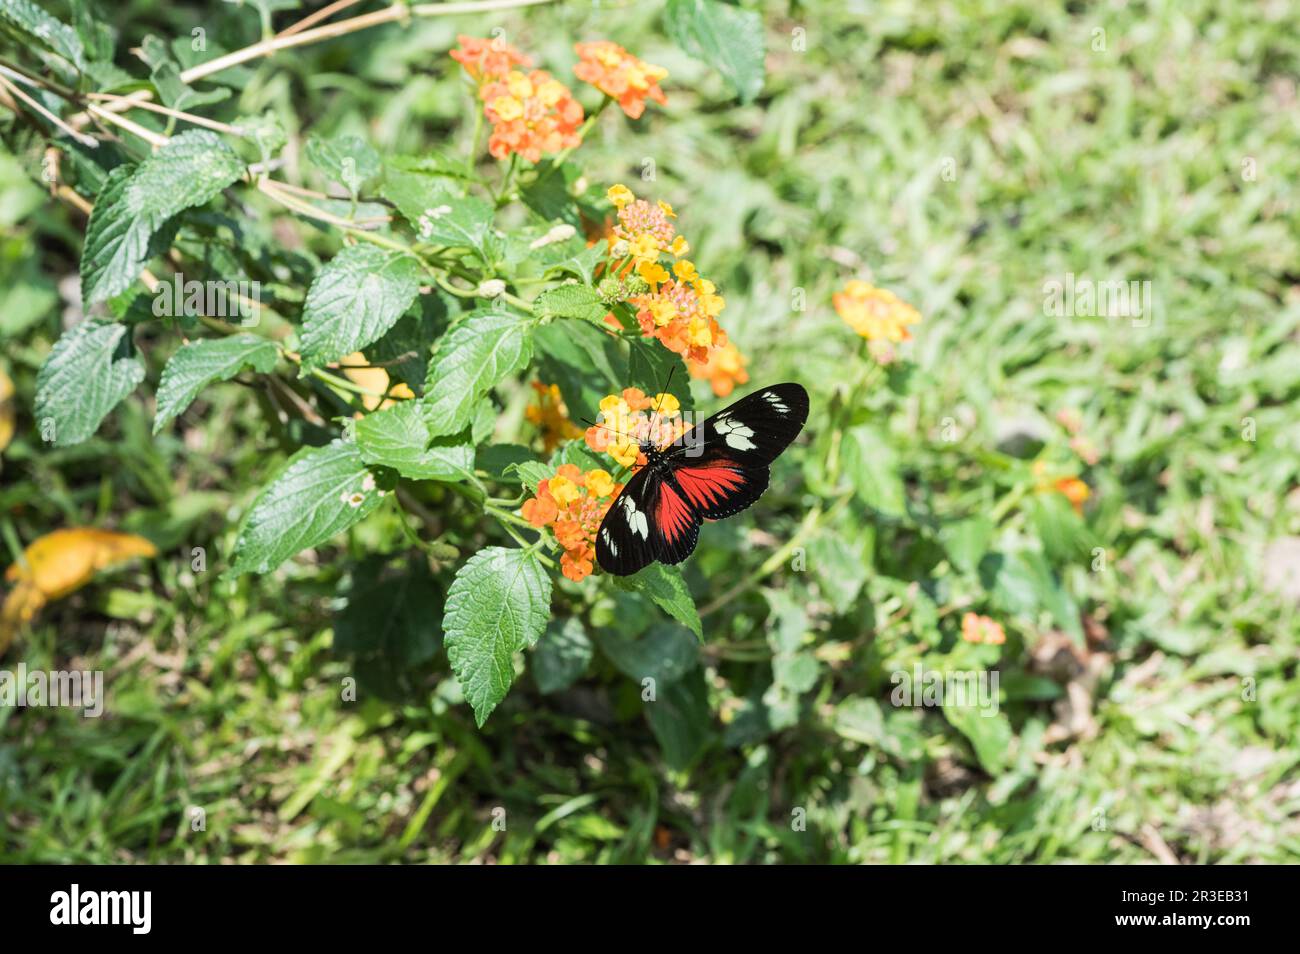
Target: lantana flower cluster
[[572, 504], [982, 629], [878, 315], [632, 416], [620, 75], [531, 112], [550, 415], [679, 307], [534, 114]]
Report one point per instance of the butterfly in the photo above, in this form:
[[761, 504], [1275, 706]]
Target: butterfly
[[716, 469]]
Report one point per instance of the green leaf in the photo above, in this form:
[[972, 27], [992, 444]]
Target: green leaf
[[652, 368], [988, 730], [84, 377], [319, 493], [530, 473], [571, 301], [665, 586], [1022, 582], [549, 195], [355, 299], [581, 359], [681, 721], [177, 94], [135, 203], [727, 38], [389, 624], [1064, 535], [562, 655], [967, 541], [469, 360], [397, 437], [502, 461], [117, 240], [497, 605], [664, 653], [873, 465], [438, 212], [29, 22], [347, 160], [574, 257], [196, 365]]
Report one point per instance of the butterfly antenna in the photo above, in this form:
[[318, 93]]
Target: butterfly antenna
[[594, 424]]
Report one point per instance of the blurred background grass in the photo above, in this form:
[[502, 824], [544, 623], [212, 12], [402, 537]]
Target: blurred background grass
[[961, 154]]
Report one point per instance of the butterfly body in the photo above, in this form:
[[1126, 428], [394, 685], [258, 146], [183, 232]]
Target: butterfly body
[[715, 470]]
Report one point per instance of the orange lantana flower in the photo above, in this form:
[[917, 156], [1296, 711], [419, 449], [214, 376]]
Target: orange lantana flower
[[487, 59], [620, 75], [531, 114], [982, 629], [724, 369], [551, 416], [572, 504], [628, 418], [875, 313]]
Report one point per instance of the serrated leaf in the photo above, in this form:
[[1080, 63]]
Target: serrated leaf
[[31, 22], [573, 256], [497, 605], [347, 160], [666, 588], [571, 301], [319, 493], [873, 465], [665, 653], [437, 211], [84, 377], [468, 361], [196, 365], [357, 296], [397, 437], [727, 38], [117, 241], [530, 473], [561, 656], [135, 203]]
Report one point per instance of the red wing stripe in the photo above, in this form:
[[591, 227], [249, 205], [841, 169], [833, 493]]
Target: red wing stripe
[[673, 516], [707, 484]]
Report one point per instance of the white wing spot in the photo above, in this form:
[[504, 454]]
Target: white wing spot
[[774, 399], [635, 518], [736, 435], [609, 542]]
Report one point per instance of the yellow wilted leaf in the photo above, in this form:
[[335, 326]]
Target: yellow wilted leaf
[[6, 409], [60, 563], [372, 379]]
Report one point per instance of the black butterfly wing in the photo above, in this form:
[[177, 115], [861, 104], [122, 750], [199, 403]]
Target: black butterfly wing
[[647, 521], [718, 468], [721, 465]]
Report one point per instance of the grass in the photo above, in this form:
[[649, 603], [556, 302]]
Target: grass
[[960, 153]]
